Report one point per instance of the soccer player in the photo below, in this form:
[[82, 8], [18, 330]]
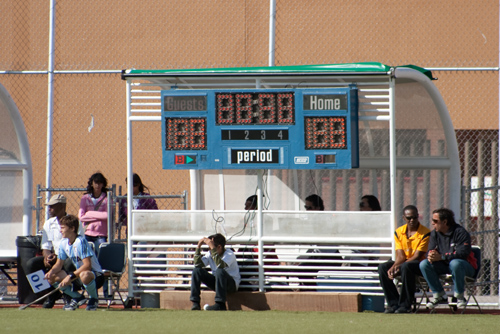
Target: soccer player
[[88, 270]]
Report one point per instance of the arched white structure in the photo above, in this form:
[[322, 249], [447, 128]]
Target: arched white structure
[[16, 177]]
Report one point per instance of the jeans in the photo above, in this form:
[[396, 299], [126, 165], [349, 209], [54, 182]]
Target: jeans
[[408, 271], [221, 282], [97, 242], [458, 268]]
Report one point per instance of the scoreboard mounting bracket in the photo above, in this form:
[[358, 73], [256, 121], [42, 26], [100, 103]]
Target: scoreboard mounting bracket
[[299, 128]]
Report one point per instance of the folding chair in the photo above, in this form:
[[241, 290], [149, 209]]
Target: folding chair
[[112, 258], [470, 283], [421, 289]]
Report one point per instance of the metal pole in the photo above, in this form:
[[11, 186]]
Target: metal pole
[[498, 165], [392, 157], [272, 31], [110, 216], [259, 230], [38, 208], [50, 99], [130, 192]]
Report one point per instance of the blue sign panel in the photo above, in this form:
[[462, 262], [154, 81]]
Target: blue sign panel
[[260, 129]]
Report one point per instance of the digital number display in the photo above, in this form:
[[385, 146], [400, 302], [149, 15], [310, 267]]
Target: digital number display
[[186, 133], [256, 108], [254, 134], [289, 128], [325, 133]]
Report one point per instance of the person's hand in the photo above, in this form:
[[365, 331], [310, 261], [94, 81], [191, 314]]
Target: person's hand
[[393, 271], [50, 260], [66, 281], [434, 256], [209, 243], [201, 242], [48, 274]]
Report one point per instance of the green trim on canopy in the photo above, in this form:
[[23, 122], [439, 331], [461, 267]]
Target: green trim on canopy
[[327, 69]]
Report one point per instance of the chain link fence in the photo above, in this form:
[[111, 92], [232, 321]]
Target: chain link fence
[[456, 38], [119, 233]]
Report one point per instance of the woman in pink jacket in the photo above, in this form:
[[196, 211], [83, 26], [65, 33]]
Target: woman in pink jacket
[[93, 211]]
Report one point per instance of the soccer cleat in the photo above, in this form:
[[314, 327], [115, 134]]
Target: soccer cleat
[[436, 301], [75, 303], [196, 307], [215, 307], [92, 304], [389, 310], [66, 298]]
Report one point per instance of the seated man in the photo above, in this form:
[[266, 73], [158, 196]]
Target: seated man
[[89, 272], [411, 241], [226, 274], [51, 238], [449, 252]]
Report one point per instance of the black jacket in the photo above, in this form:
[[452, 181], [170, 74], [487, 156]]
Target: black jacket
[[454, 244]]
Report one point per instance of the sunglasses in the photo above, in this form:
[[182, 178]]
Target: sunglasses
[[363, 204], [411, 217], [307, 207]]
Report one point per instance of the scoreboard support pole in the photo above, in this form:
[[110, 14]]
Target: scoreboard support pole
[[260, 244]]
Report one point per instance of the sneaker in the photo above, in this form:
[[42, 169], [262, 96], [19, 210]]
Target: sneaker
[[75, 303], [92, 304], [402, 310], [215, 307], [461, 302], [436, 301], [196, 307], [389, 310], [66, 298]]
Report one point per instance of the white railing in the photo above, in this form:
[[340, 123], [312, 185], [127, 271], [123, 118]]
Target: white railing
[[297, 251]]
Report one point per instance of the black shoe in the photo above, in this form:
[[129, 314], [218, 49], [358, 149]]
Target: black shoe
[[389, 310], [66, 298], [92, 304], [48, 303], [402, 310], [51, 300], [196, 307], [215, 307]]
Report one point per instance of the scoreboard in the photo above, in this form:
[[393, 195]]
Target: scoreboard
[[300, 128]]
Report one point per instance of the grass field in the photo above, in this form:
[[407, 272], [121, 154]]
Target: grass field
[[149, 321]]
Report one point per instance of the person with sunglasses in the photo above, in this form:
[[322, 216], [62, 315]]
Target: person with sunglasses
[[449, 252], [412, 240]]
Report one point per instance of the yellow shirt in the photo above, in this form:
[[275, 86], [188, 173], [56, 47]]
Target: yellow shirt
[[417, 242]]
